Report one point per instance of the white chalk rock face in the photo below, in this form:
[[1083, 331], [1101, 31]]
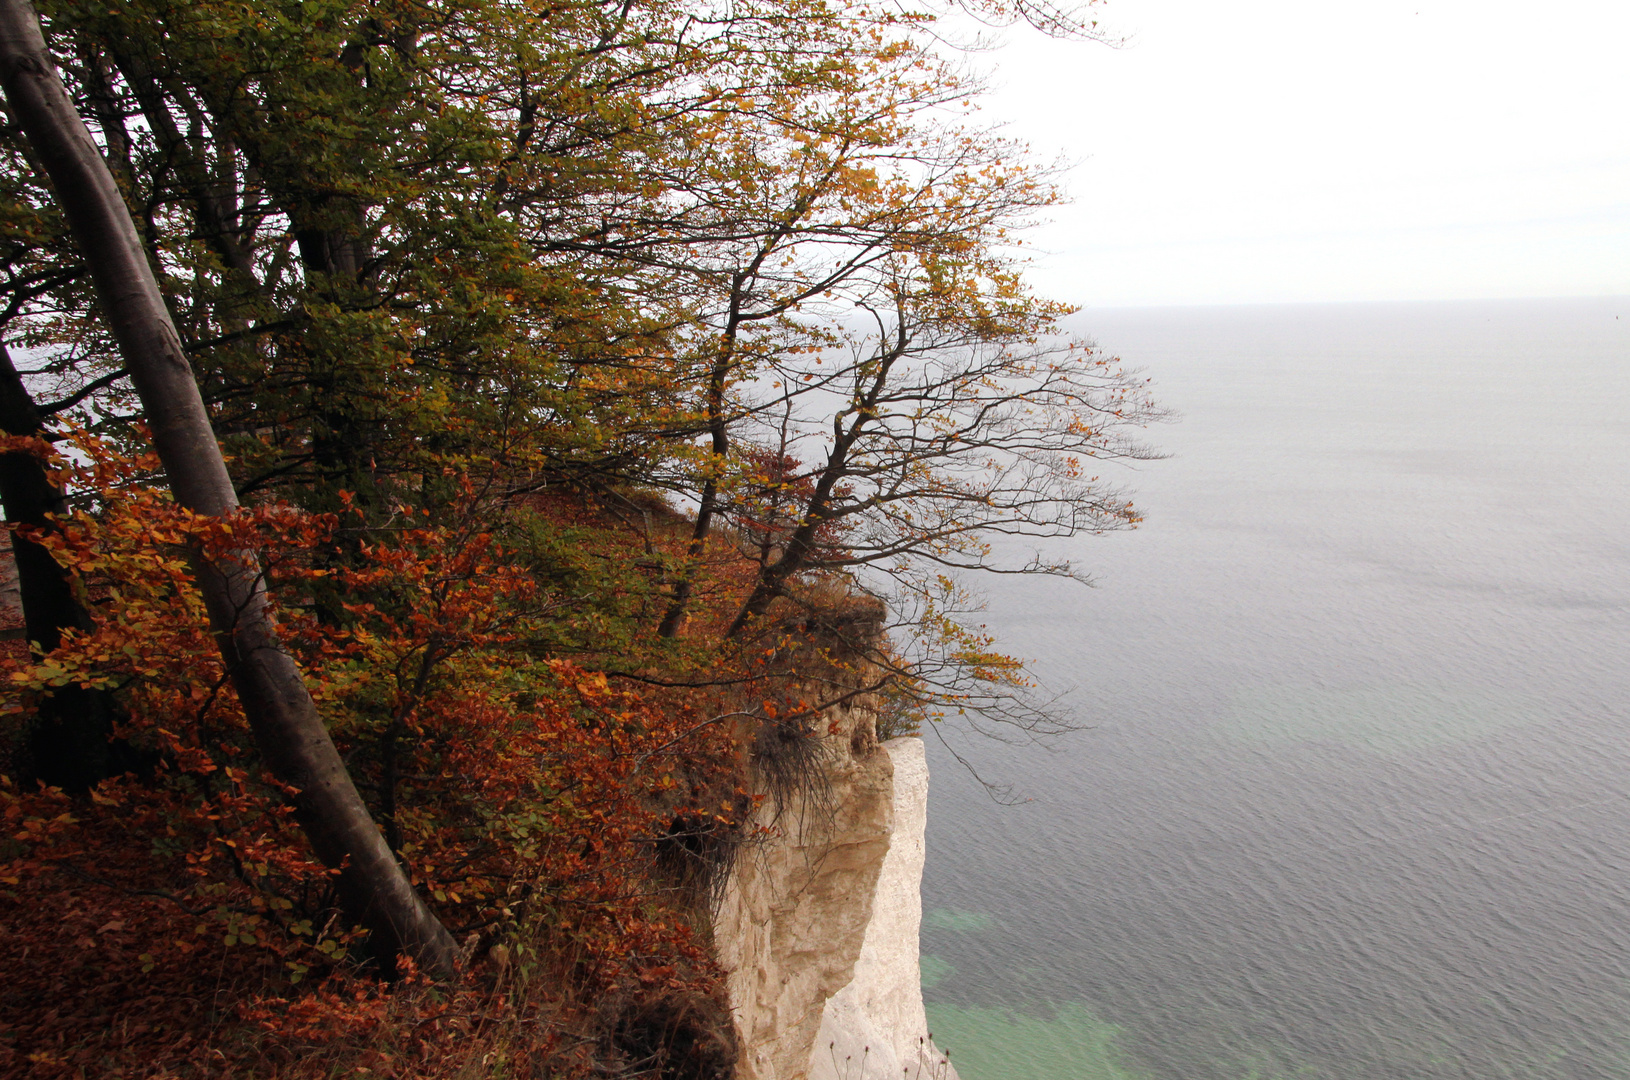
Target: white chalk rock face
[[796, 905], [875, 1027], [818, 928]]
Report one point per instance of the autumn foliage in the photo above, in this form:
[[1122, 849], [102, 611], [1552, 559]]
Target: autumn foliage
[[174, 915]]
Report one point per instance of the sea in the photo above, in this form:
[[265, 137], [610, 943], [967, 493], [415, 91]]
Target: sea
[[1350, 798]]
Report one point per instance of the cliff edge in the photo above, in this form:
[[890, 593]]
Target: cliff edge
[[819, 923]]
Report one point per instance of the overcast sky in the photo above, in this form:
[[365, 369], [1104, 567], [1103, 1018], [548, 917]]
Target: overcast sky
[[1287, 150]]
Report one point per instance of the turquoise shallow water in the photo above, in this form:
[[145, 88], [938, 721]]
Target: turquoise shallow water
[[1352, 802], [1065, 1039]]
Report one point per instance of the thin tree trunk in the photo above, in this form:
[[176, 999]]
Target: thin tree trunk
[[719, 431], [69, 743], [287, 728], [817, 512]]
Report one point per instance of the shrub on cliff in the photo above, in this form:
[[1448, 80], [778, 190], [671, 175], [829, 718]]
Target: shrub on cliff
[[524, 794]]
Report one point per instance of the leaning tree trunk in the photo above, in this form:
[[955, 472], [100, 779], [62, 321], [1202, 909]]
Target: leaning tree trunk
[[287, 729]]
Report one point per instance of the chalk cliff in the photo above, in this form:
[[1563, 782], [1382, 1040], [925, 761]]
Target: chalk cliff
[[819, 923]]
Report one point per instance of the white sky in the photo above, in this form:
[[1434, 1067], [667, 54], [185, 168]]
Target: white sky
[[1293, 150]]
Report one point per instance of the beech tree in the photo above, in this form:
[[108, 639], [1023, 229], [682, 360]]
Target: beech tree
[[871, 369], [406, 241], [296, 746], [396, 233]]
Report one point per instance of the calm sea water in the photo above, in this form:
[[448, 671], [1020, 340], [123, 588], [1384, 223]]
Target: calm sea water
[[1355, 803]]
